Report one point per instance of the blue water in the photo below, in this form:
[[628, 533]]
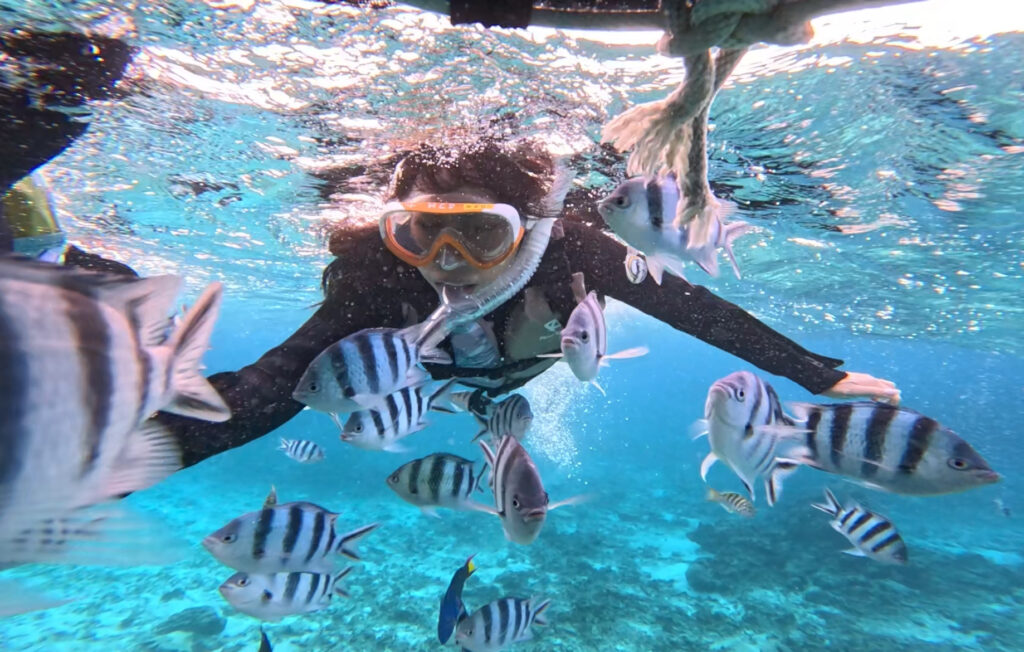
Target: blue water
[[914, 149]]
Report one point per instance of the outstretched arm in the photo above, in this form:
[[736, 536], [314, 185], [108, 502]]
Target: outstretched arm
[[695, 310]]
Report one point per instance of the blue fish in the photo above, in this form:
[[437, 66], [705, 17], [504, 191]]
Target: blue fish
[[452, 610]]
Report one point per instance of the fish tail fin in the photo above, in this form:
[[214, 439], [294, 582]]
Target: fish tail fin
[[711, 494], [733, 230], [284, 445], [780, 470], [338, 588], [441, 399], [425, 338], [347, 544], [539, 616], [193, 395], [831, 506]]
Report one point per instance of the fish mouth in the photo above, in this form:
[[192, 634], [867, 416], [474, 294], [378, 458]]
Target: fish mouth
[[209, 542], [988, 476], [570, 343], [535, 514]]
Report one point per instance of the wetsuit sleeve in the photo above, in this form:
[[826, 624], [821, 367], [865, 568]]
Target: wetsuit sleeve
[[694, 310]]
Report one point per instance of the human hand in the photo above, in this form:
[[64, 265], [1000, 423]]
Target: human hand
[[858, 385]]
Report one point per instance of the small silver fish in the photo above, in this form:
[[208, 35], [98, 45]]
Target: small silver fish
[[872, 535], [401, 414], [749, 431], [358, 371], [302, 450], [636, 266], [438, 480], [273, 596], [731, 502], [510, 417], [296, 536], [642, 212], [585, 341], [891, 448], [497, 625]]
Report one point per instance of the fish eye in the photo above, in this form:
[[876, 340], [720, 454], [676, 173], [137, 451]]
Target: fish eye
[[957, 463], [621, 201], [358, 428], [349, 392], [740, 394], [313, 387], [393, 479], [243, 581], [584, 336], [229, 538], [515, 502]]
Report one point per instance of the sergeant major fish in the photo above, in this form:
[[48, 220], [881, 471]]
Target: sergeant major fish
[[85, 360], [585, 341], [274, 596], [401, 413], [749, 431], [642, 211], [731, 502], [358, 371], [296, 536], [302, 450], [501, 623], [519, 497], [510, 417], [438, 480], [890, 448], [872, 536]]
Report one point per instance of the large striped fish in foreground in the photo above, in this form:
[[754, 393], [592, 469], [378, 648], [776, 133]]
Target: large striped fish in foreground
[[519, 496], [585, 341], [85, 360], [872, 535], [291, 537], [275, 596], [890, 448], [749, 431], [501, 623], [358, 371], [438, 480], [400, 414], [642, 212]]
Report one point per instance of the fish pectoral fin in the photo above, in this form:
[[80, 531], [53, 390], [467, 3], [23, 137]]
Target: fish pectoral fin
[[698, 429], [655, 269], [574, 500], [395, 447], [781, 468], [550, 355], [16, 599], [598, 386], [635, 352], [781, 431], [855, 552], [429, 510], [480, 507], [150, 454], [708, 462]]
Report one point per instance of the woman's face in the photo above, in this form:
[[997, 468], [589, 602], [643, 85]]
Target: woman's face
[[449, 267]]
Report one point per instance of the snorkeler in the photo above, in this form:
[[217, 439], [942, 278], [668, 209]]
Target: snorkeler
[[458, 219]]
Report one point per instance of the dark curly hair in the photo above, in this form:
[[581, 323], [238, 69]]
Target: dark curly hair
[[521, 173]]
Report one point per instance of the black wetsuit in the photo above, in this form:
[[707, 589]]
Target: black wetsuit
[[367, 286]]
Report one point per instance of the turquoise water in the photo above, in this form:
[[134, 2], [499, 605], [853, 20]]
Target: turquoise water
[[909, 144]]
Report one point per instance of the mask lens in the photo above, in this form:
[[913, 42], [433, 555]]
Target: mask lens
[[484, 236]]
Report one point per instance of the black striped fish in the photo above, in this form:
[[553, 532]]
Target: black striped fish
[[297, 536], [400, 414], [731, 502], [302, 450], [642, 211], [358, 371], [636, 266], [585, 341], [438, 480], [519, 496], [274, 596], [890, 448], [872, 535], [511, 417], [749, 431], [498, 625], [85, 360]]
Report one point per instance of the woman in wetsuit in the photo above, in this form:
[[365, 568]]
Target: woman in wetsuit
[[390, 273]]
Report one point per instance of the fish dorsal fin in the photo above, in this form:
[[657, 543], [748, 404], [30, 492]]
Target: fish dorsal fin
[[579, 288], [271, 499]]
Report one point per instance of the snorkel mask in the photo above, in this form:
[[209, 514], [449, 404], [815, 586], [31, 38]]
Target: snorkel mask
[[485, 235]]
